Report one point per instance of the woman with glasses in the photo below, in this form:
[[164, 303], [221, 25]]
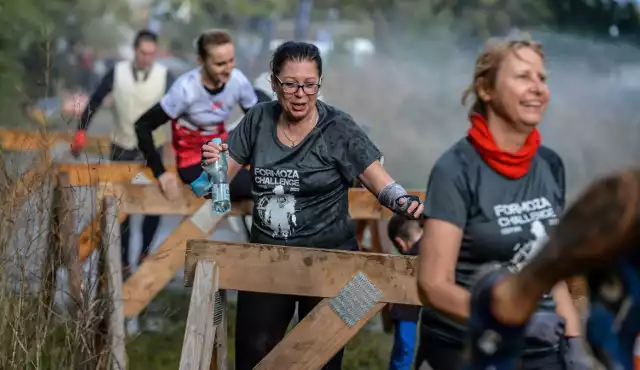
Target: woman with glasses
[[198, 104], [304, 155]]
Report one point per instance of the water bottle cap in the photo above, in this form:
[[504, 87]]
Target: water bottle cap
[[217, 141]]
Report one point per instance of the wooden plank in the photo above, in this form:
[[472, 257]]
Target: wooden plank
[[304, 348], [148, 199], [24, 140], [197, 346], [90, 236], [303, 271], [89, 174], [20, 140], [161, 265], [111, 249]]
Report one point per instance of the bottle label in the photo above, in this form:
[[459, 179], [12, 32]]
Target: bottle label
[[220, 192]]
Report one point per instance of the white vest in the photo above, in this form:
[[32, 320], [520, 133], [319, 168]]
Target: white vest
[[133, 98]]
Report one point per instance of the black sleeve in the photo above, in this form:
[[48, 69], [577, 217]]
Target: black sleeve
[[447, 197], [351, 148], [242, 138], [170, 80], [146, 124], [262, 97], [105, 87]]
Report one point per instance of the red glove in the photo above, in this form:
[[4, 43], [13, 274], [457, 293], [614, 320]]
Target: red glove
[[79, 142]]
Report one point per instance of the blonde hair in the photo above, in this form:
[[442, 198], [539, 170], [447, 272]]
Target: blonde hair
[[488, 65]]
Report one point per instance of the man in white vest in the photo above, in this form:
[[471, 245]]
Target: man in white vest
[[135, 87]]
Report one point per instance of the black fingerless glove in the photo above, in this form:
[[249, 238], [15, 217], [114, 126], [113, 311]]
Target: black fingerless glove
[[403, 209]]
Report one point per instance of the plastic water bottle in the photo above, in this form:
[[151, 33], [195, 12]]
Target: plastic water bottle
[[219, 185]]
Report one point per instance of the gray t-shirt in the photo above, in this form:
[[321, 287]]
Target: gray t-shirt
[[503, 220], [301, 194]]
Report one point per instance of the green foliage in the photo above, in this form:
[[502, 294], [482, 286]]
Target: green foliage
[[29, 32], [485, 18]]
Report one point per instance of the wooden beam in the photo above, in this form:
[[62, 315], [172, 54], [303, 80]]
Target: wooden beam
[[220, 344], [303, 271], [161, 265], [90, 174], [20, 140], [148, 199], [112, 255], [315, 340], [90, 236], [197, 346]]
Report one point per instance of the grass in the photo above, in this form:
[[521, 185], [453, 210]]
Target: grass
[[368, 350]]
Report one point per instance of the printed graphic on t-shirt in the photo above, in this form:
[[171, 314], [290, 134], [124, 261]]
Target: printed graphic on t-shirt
[[277, 206], [515, 217], [526, 217], [525, 251]]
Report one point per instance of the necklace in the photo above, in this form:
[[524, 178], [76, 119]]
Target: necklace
[[293, 142]]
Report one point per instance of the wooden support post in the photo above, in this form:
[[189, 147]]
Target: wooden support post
[[162, 265], [90, 236], [197, 346], [220, 348], [111, 255], [67, 242], [52, 253]]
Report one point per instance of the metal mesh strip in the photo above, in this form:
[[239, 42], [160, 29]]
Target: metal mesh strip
[[355, 299]]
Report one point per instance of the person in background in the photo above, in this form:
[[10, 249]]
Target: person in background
[[135, 86], [405, 236], [198, 106], [303, 154], [494, 197], [614, 314]]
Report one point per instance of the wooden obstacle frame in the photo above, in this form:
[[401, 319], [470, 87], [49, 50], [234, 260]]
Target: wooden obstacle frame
[[145, 197], [341, 278]]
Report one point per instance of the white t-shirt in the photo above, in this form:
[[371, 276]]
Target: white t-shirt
[[192, 106]]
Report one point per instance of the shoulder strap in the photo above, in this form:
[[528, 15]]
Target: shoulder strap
[[557, 167]]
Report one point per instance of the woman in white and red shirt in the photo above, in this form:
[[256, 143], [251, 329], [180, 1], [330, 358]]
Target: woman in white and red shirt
[[198, 106]]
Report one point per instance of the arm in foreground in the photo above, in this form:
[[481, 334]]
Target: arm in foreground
[[600, 226]]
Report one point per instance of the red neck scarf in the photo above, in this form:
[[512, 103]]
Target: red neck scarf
[[511, 165]]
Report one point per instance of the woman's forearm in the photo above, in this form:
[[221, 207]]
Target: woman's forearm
[[448, 298], [232, 169], [375, 178], [566, 309]]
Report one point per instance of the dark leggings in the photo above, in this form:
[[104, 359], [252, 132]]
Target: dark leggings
[[261, 322], [150, 223], [441, 355], [262, 319]]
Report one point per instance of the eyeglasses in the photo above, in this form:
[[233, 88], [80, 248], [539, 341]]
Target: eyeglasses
[[293, 87]]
